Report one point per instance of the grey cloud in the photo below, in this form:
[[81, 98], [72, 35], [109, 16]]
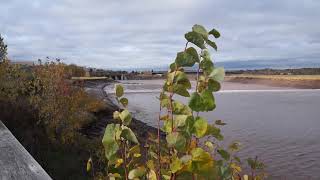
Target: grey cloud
[[142, 33]]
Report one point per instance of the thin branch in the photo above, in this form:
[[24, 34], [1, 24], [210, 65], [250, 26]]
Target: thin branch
[[159, 152]]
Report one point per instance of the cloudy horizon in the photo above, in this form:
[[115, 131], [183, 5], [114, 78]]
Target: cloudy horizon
[[145, 33]]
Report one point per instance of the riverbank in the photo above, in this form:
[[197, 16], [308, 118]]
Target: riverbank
[[290, 81]]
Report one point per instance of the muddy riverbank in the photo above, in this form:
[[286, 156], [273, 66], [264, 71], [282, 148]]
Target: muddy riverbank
[[277, 81]]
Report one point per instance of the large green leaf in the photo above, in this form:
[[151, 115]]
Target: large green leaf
[[195, 102], [214, 131], [164, 100], [200, 155], [217, 74], [181, 90], [124, 101], [173, 67], [170, 78], [213, 85], [224, 154], [175, 165], [215, 33], [187, 58], [201, 30], [189, 126], [191, 51], [196, 39], [129, 135], [109, 141], [176, 140], [167, 126], [208, 101], [125, 117], [181, 78], [200, 127], [212, 44], [119, 90], [180, 120], [183, 60], [206, 65], [180, 108]]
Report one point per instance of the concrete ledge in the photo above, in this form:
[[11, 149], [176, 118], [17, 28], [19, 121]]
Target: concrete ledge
[[15, 161]]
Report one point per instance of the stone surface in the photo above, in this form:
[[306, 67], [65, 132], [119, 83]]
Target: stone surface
[[15, 161]]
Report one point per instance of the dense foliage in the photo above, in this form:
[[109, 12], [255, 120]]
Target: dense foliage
[[61, 108], [191, 148]]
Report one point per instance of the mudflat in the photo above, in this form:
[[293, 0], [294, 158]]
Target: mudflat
[[288, 81]]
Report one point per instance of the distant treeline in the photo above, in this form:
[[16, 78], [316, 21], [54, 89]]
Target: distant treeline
[[301, 71]]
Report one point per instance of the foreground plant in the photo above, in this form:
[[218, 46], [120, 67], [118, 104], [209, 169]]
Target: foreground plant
[[191, 149], [121, 145]]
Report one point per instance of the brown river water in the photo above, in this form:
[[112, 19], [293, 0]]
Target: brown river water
[[279, 125]]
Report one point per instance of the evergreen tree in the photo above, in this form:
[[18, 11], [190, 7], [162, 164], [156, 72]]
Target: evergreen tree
[[3, 50]]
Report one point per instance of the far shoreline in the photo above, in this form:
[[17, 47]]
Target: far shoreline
[[287, 81]]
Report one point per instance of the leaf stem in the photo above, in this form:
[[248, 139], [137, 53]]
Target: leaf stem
[[185, 48], [124, 153], [159, 152]]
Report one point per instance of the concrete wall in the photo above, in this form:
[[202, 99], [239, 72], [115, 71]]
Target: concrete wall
[[15, 161]]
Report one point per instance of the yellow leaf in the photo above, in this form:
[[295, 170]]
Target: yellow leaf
[[152, 175], [210, 145], [118, 163], [245, 177], [235, 167], [136, 155], [150, 164], [89, 164], [114, 176]]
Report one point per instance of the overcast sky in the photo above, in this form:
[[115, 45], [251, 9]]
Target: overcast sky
[[143, 33]]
